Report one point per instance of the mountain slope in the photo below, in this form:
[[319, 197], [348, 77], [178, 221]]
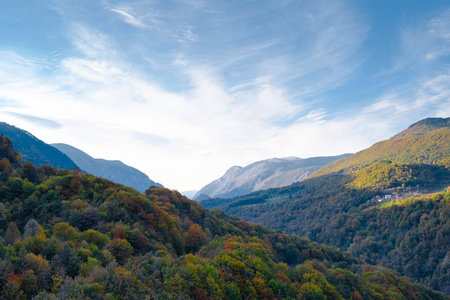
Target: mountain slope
[[424, 126], [410, 237], [34, 150], [263, 175], [113, 170], [69, 235], [354, 207], [425, 142]]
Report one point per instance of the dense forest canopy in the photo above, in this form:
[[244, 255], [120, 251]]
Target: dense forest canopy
[[388, 204], [71, 235]]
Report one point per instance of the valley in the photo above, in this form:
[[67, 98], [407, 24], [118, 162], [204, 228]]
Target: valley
[[67, 234], [235, 150], [402, 182], [92, 234]]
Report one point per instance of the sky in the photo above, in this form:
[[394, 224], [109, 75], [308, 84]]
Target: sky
[[184, 90]]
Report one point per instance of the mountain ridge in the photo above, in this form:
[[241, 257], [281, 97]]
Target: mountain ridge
[[114, 170], [424, 146], [35, 150], [269, 173], [424, 126]]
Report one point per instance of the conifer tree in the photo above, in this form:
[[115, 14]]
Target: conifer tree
[[12, 234]]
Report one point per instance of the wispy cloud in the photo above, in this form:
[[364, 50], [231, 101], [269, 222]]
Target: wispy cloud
[[232, 112], [205, 126], [186, 34], [36, 120], [130, 19], [427, 97], [14, 66], [91, 42], [425, 48], [308, 51], [212, 84], [439, 31], [424, 43], [91, 70]]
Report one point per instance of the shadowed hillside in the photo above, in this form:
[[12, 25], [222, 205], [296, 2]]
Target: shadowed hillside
[[113, 170], [34, 150]]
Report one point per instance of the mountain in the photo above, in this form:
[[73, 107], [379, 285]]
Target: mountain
[[263, 175], [189, 194], [388, 204], [427, 142], [113, 170], [63, 156], [424, 126], [69, 235], [34, 150]]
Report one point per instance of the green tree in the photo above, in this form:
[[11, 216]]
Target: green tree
[[12, 234], [29, 283], [64, 231], [121, 250], [195, 237]]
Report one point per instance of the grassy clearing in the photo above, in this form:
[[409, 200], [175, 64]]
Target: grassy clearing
[[277, 199]]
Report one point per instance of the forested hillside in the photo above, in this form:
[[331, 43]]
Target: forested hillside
[[410, 236], [426, 146], [71, 235], [388, 204]]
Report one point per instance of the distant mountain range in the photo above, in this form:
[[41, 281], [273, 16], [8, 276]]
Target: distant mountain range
[[113, 170], [388, 204], [34, 150], [262, 175], [62, 156]]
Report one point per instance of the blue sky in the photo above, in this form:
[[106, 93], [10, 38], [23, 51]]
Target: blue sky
[[185, 89]]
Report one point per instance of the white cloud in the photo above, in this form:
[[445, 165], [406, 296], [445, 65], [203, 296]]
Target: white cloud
[[91, 42], [425, 43], [186, 34], [184, 140], [109, 109], [97, 71], [14, 66], [175, 138], [439, 32], [112, 108], [130, 19], [39, 121], [388, 103], [428, 97], [315, 115]]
